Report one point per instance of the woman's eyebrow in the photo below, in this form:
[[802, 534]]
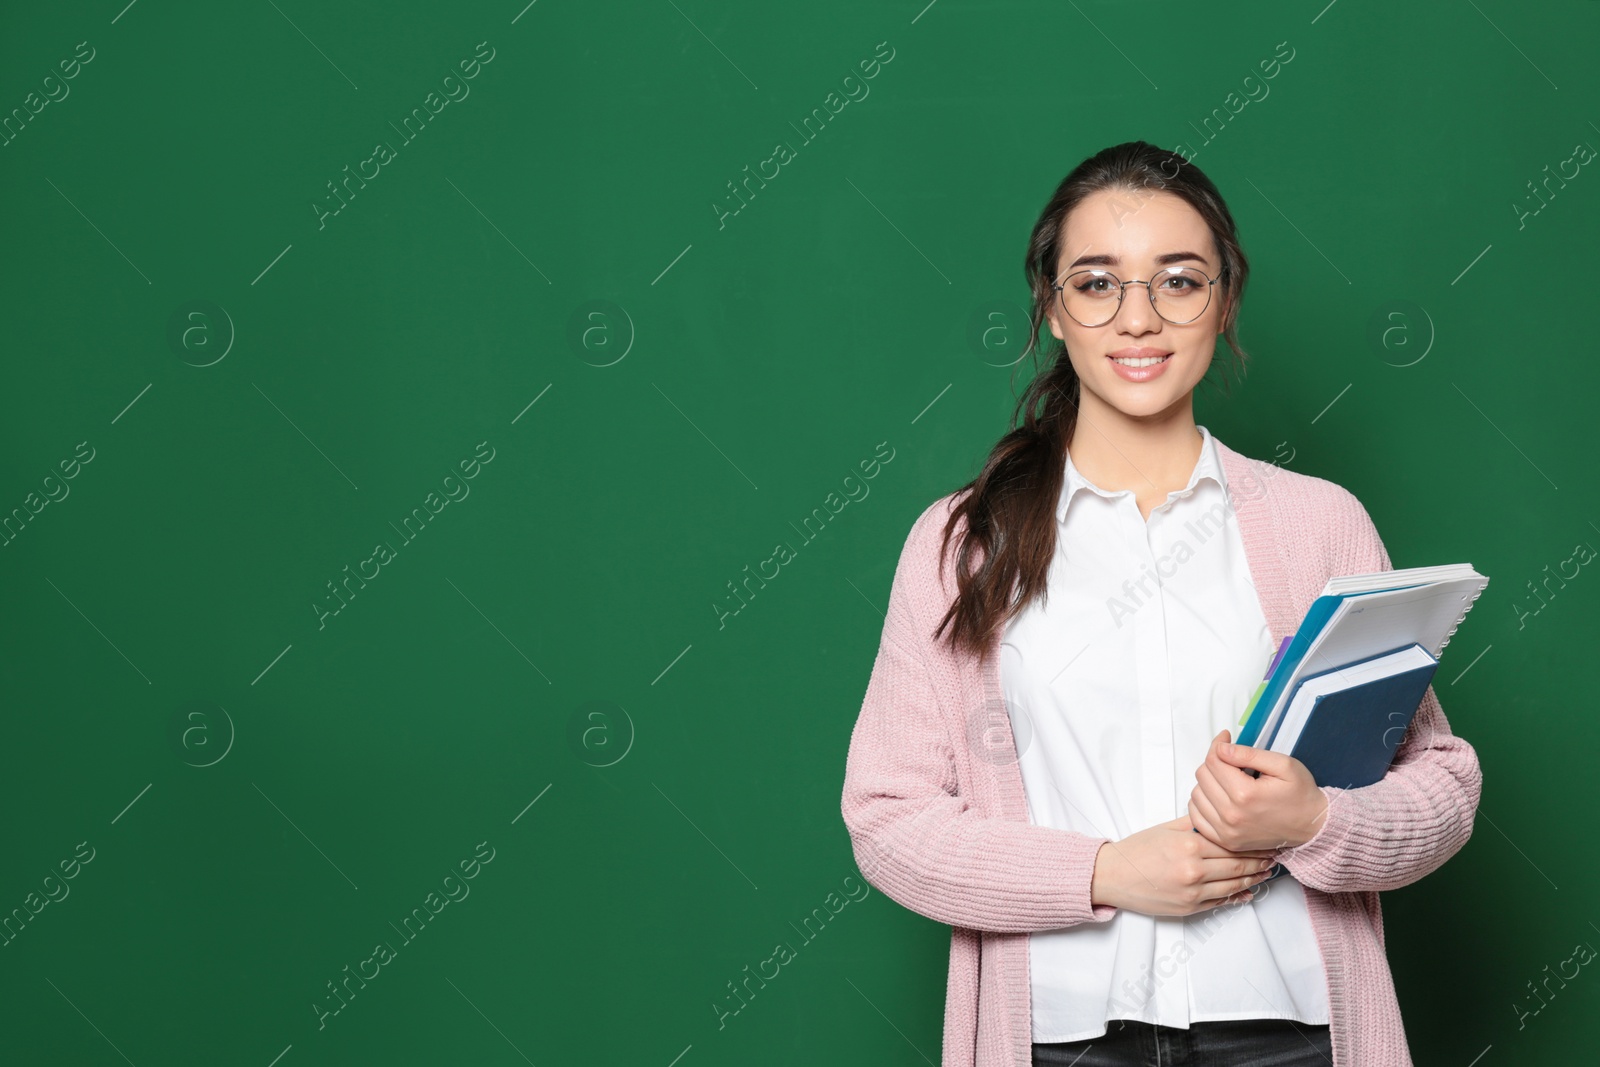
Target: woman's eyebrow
[[1163, 260]]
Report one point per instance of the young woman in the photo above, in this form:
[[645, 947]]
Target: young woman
[[1042, 760]]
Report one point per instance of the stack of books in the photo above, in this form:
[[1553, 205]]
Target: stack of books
[[1342, 690]]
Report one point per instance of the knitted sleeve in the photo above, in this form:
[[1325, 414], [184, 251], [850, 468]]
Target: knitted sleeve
[[915, 837], [1407, 824]]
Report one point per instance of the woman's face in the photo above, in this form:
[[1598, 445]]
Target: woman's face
[[1134, 235]]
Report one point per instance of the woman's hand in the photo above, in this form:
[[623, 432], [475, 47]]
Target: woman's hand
[[1282, 808], [1168, 869]]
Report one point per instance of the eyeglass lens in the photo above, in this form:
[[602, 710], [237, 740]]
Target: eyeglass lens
[[1180, 295]]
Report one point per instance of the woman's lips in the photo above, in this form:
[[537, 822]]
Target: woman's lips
[[1137, 373]]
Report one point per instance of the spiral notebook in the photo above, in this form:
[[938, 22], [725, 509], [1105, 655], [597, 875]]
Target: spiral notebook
[[1363, 615]]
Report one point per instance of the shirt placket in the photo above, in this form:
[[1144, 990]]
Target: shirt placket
[[1158, 761]]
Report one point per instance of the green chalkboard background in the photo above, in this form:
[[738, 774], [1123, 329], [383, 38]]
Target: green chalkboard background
[[598, 385]]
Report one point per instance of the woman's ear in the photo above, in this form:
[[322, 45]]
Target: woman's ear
[[1055, 327]]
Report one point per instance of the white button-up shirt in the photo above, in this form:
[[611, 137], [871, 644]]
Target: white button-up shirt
[[1151, 641]]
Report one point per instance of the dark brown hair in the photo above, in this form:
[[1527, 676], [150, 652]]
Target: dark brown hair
[[1010, 513]]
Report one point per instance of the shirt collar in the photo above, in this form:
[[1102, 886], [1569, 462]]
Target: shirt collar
[[1208, 466]]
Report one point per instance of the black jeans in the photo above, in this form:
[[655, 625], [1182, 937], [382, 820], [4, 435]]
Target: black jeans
[[1217, 1043]]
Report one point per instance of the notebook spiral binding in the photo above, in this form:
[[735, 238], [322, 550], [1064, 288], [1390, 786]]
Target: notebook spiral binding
[[1460, 620]]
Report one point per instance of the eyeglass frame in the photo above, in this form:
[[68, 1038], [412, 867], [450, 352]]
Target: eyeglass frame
[[1122, 288]]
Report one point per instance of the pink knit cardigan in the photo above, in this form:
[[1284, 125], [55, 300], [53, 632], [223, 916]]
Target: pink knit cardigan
[[934, 802]]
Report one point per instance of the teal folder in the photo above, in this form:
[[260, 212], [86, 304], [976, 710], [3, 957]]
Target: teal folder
[[1317, 616]]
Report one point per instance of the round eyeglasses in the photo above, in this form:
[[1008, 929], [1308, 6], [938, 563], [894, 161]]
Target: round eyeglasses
[[1178, 294]]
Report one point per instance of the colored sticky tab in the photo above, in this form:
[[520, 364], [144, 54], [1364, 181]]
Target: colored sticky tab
[[1282, 647], [1252, 705]]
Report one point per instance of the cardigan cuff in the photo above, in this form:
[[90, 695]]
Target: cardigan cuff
[[1098, 913], [1327, 842]]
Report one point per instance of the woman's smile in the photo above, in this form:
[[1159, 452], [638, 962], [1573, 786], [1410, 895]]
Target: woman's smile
[[1139, 364]]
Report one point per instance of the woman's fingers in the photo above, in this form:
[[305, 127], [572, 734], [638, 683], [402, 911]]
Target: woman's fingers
[[1209, 850], [1250, 881], [1202, 821], [1237, 889], [1203, 812]]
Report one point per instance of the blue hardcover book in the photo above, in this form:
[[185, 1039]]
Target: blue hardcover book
[[1346, 724]]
